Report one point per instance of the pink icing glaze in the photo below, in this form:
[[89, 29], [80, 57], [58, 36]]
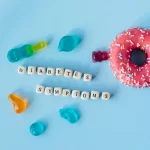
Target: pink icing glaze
[[120, 51], [119, 56]]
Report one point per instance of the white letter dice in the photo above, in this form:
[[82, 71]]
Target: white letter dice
[[105, 96], [85, 95], [87, 77], [75, 93], [59, 71], [22, 69], [40, 89], [95, 94], [41, 70], [68, 73], [48, 91], [66, 92], [77, 75], [31, 70], [50, 71], [57, 91]]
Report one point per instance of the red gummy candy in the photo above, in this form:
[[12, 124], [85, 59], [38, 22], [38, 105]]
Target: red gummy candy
[[99, 56]]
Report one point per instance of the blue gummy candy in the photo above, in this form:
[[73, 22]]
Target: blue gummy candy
[[17, 54], [69, 42], [70, 114], [37, 128]]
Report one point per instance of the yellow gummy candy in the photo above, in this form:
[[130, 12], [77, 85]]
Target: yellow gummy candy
[[19, 103], [38, 46]]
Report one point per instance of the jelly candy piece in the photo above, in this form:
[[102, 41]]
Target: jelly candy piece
[[17, 54], [37, 128], [39, 46], [69, 42], [19, 103], [99, 56], [70, 114], [29, 51], [25, 51]]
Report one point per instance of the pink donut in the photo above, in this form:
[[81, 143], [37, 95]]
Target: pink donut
[[130, 57]]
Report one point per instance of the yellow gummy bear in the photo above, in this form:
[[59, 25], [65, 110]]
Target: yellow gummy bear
[[38, 46], [19, 103]]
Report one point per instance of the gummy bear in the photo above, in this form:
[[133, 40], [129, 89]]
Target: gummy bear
[[37, 128], [100, 56], [25, 51], [69, 42], [70, 114], [19, 103]]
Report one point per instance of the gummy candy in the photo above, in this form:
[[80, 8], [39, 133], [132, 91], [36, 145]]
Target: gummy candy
[[25, 51], [39, 46], [100, 56], [17, 54], [37, 128], [19, 103], [70, 114], [69, 42]]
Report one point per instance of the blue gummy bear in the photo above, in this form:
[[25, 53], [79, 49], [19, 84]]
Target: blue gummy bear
[[68, 43], [37, 128], [70, 114], [17, 54]]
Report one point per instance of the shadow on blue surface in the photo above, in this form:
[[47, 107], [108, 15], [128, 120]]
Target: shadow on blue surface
[[143, 21], [80, 33], [26, 94]]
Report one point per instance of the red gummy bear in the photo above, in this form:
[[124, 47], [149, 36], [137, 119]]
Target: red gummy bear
[[99, 56]]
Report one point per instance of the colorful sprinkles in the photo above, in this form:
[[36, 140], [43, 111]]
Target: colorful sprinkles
[[120, 50]]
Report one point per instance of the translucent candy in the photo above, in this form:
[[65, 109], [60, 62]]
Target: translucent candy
[[19, 103], [69, 42], [37, 128], [17, 54], [70, 114], [100, 56], [25, 51], [39, 46]]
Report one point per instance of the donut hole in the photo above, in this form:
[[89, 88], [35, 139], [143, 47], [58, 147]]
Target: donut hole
[[138, 57]]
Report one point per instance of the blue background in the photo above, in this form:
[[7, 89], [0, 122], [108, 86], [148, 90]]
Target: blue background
[[123, 123]]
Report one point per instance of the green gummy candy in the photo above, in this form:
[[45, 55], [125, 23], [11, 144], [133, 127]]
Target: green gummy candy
[[29, 50]]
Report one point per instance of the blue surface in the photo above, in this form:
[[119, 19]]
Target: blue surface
[[119, 124]]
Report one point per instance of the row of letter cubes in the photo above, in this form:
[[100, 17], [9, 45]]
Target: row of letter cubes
[[58, 91], [52, 71]]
